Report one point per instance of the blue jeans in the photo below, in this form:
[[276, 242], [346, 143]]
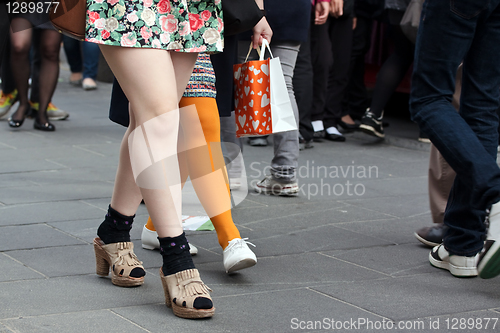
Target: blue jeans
[[452, 31], [82, 56]]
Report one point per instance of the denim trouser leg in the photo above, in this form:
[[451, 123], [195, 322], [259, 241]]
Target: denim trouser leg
[[91, 54], [73, 54], [451, 32], [286, 144]]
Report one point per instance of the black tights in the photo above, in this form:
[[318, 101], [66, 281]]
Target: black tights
[[49, 44], [394, 68]]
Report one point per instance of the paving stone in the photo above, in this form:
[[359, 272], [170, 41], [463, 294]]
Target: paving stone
[[395, 260], [11, 270], [253, 312], [398, 206], [434, 294], [47, 212], [86, 321], [73, 294], [32, 194], [32, 237], [75, 260], [396, 230], [312, 239]]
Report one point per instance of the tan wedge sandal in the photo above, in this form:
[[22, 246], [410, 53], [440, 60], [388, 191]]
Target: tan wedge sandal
[[182, 289], [122, 260]]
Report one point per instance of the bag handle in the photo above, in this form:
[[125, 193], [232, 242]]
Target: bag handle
[[261, 51]]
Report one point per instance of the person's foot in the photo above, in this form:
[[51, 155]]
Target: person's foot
[[257, 141], [305, 144], [459, 266], [318, 136], [6, 102], [269, 185], [76, 79], [237, 255], [89, 84], [431, 236], [333, 134], [348, 124], [489, 259], [371, 125], [149, 240], [16, 120], [53, 112]]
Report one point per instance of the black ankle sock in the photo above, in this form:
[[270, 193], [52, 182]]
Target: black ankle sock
[[115, 228], [176, 256]]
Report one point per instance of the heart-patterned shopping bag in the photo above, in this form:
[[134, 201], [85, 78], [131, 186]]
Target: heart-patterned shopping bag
[[261, 101]]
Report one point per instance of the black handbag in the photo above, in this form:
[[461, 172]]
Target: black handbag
[[240, 16]]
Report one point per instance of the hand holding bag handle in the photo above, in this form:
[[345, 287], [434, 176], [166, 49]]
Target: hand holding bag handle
[[261, 52]]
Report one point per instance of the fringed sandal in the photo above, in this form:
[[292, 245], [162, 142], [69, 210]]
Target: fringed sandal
[[187, 295], [126, 269]]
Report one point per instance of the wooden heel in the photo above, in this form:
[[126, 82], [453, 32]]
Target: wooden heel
[[101, 264], [168, 301]]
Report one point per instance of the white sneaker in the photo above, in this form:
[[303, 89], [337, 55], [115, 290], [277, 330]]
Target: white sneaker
[[459, 266], [237, 255], [150, 241]]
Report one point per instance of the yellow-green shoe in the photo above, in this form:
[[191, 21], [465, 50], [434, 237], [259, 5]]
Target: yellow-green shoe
[[53, 112], [6, 102]]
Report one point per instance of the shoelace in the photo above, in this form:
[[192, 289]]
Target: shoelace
[[238, 242]]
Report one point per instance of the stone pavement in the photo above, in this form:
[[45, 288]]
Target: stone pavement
[[343, 250]]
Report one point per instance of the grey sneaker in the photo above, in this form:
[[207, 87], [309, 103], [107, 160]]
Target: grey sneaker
[[53, 112], [258, 141], [269, 185]]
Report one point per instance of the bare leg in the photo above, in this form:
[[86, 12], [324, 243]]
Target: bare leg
[[152, 92]]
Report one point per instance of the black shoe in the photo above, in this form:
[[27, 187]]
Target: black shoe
[[47, 127], [371, 125], [348, 127], [431, 236], [15, 123], [305, 144], [335, 137], [318, 136]]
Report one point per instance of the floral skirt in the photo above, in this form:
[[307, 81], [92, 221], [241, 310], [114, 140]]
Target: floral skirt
[[179, 25]]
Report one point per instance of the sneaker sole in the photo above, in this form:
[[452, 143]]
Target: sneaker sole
[[454, 270], [242, 264], [284, 193], [371, 131], [59, 118], [489, 267], [425, 241]]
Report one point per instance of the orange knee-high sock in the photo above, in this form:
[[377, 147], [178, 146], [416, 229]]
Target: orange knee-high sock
[[210, 123]]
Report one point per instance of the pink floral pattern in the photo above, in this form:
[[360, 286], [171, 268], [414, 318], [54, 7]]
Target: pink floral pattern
[[179, 25]]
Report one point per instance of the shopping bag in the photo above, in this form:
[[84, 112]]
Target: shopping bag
[[262, 105]]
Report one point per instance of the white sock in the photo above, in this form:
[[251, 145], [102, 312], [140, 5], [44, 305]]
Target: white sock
[[317, 125], [333, 130]]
